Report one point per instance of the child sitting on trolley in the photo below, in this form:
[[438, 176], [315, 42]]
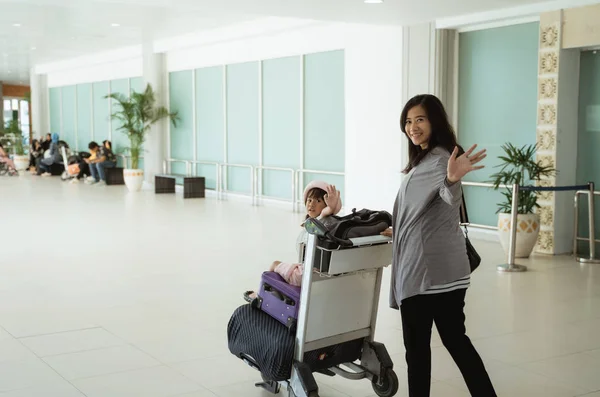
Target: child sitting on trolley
[[321, 201]]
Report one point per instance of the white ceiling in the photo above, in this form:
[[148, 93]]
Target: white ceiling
[[63, 29]]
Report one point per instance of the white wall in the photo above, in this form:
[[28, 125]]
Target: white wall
[[375, 151]]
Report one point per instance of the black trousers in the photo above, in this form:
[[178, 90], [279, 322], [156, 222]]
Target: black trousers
[[446, 309]]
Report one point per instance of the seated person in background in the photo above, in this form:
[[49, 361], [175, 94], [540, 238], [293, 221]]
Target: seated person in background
[[46, 142], [54, 157], [36, 153], [105, 158], [84, 167], [4, 158], [321, 200]]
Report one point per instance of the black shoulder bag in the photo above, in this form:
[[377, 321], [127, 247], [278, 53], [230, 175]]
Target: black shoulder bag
[[474, 258]]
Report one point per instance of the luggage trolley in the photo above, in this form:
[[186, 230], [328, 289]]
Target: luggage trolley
[[338, 304]]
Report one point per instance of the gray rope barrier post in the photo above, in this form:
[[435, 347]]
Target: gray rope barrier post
[[510, 266], [575, 223], [592, 226]]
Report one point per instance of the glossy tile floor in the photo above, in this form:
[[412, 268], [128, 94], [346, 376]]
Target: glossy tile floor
[[104, 293]]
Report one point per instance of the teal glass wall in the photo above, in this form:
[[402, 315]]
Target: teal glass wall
[[84, 116], [497, 102], [324, 116], [300, 95], [588, 140], [210, 122], [118, 138], [137, 84], [232, 102], [69, 126], [242, 123], [281, 112], [101, 111], [55, 112], [182, 136]]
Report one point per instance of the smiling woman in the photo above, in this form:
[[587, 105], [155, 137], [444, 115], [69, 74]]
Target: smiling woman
[[430, 267]]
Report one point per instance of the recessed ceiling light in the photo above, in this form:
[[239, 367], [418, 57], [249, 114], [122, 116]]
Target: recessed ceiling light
[[373, 1], [115, 25], [16, 25]]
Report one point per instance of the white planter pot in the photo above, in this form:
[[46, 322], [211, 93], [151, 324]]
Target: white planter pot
[[528, 229], [21, 162], [134, 179]]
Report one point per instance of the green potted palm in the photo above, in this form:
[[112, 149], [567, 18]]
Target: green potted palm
[[519, 166], [13, 140], [137, 113]]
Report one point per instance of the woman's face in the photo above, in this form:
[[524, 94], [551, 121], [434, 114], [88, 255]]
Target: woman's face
[[418, 127], [314, 206]]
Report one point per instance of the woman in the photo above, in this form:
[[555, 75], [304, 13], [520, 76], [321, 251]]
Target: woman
[[47, 142], [430, 268], [35, 154]]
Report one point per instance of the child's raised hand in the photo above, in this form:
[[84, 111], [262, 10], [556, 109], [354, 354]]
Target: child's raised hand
[[332, 198]]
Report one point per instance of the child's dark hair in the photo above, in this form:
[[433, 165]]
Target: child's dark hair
[[315, 194]]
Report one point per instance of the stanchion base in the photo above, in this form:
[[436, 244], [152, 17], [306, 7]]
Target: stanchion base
[[588, 260], [511, 269]]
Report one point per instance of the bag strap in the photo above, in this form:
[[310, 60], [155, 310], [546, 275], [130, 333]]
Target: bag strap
[[464, 216]]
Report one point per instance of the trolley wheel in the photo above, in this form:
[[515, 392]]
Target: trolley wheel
[[389, 384]]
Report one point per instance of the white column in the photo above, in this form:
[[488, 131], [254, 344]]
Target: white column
[[566, 149], [40, 116], [156, 145], [430, 64], [418, 64], [375, 148], [1, 107]]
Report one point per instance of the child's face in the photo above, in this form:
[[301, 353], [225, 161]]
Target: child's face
[[314, 206]]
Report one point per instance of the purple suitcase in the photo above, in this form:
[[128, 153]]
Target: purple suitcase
[[278, 299]]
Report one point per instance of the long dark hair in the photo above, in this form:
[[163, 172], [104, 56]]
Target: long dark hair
[[442, 133]]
